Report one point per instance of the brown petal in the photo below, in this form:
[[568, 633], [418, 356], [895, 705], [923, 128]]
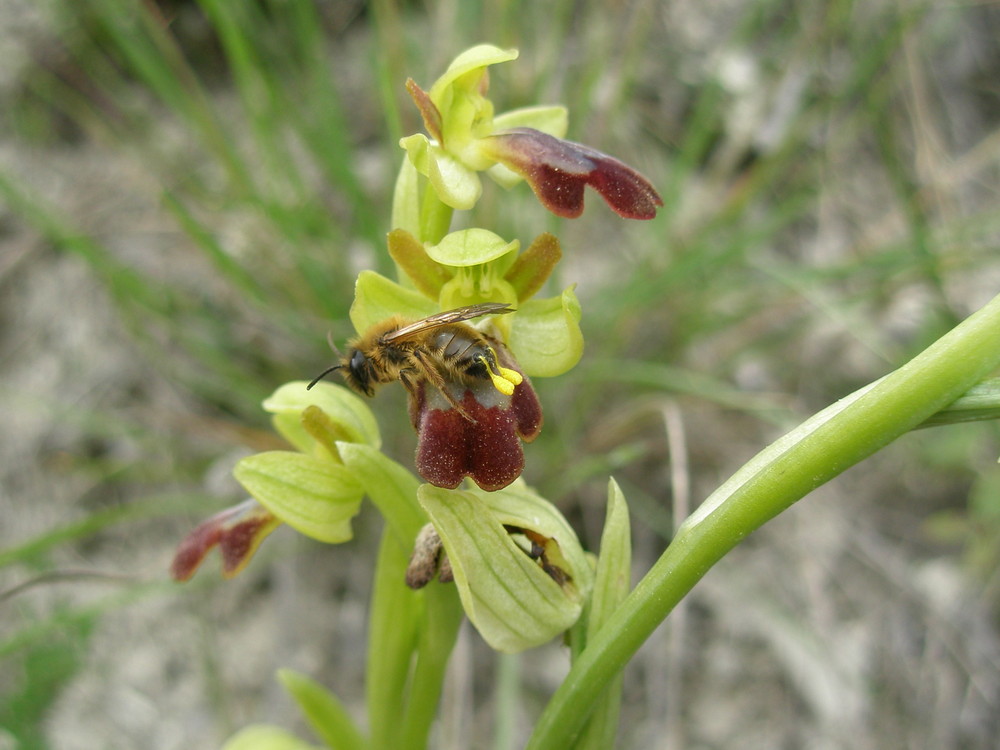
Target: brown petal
[[428, 111]]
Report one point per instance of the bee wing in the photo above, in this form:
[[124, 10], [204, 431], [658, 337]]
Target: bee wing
[[447, 317]]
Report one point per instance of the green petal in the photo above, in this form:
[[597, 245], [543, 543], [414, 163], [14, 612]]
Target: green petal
[[265, 737], [532, 267], [480, 56], [377, 298], [504, 176], [317, 498], [551, 119], [471, 247], [346, 411], [507, 596], [545, 335], [413, 260]]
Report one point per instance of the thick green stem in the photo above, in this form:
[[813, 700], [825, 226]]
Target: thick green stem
[[816, 451]]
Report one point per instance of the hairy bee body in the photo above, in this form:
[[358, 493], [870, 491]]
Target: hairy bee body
[[457, 352], [441, 349]]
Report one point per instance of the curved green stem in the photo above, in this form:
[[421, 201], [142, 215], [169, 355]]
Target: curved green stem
[[816, 451]]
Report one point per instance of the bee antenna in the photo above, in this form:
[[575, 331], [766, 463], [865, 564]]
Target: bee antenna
[[322, 375], [333, 346]]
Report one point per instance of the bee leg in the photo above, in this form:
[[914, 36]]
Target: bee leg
[[429, 371]]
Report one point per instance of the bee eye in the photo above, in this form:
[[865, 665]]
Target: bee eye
[[359, 362]]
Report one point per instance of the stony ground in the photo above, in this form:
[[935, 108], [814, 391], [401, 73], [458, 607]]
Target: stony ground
[[836, 626]]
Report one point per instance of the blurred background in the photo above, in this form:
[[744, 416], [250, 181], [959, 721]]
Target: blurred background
[[187, 192]]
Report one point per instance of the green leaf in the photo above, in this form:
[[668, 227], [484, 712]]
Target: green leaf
[[442, 616], [390, 486], [980, 402], [316, 497], [545, 335], [377, 298], [471, 247], [325, 713], [507, 596], [265, 737], [611, 586], [396, 613], [519, 505], [612, 578]]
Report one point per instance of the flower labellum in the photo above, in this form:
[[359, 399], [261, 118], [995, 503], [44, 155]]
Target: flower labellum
[[558, 170], [236, 531], [484, 442]]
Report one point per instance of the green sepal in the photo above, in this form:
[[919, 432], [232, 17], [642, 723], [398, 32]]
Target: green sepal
[[545, 335], [413, 260], [511, 601], [350, 418], [480, 56], [377, 298], [533, 267], [549, 118], [314, 496], [323, 710], [266, 737]]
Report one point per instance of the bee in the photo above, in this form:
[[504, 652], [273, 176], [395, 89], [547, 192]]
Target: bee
[[441, 349]]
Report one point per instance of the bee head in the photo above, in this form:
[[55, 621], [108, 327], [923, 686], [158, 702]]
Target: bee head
[[358, 372]]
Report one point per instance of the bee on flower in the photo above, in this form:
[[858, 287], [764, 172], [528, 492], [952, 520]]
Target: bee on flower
[[469, 403]]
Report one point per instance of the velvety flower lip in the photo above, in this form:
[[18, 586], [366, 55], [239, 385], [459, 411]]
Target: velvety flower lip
[[451, 447], [236, 531], [558, 170]]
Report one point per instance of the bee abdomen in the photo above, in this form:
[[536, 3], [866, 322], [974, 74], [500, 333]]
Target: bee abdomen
[[464, 352]]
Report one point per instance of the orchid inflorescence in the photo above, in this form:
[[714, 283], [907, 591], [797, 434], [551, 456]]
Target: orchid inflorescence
[[463, 331]]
